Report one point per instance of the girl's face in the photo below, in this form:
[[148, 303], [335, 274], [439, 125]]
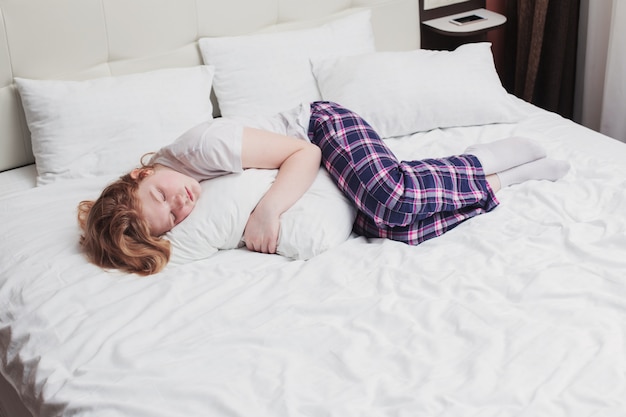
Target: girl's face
[[167, 197]]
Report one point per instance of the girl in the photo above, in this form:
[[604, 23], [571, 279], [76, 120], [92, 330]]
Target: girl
[[409, 201]]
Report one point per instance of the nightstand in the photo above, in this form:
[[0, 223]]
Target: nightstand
[[441, 33]]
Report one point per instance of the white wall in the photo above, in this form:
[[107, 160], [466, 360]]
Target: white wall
[[432, 4]]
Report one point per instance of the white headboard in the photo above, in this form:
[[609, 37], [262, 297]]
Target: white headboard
[[81, 39]]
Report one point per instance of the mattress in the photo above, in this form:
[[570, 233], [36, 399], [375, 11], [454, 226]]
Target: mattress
[[518, 312]]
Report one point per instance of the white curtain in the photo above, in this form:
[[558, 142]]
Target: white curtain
[[601, 80], [613, 120]]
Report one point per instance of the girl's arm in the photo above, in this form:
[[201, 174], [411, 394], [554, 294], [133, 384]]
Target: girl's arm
[[298, 162]]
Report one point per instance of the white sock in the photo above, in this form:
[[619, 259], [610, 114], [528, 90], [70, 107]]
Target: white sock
[[541, 169], [506, 153]]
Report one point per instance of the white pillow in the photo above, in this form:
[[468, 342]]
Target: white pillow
[[103, 126], [400, 93], [320, 220], [267, 73]]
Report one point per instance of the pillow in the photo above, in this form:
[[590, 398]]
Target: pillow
[[103, 126], [264, 74], [400, 93], [320, 220]]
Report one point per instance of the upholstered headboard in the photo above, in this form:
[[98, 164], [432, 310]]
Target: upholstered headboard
[[82, 39]]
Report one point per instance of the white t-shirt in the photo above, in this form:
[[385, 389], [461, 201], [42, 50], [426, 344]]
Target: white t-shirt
[[213, 148]]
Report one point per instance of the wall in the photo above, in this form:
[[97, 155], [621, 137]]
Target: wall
[[432, 4]]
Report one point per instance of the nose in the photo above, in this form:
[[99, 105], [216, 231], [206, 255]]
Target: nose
[[178, 202]]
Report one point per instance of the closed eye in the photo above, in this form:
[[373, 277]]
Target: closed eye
[[164, 200]]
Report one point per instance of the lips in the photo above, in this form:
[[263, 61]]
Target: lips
[[189, 194]]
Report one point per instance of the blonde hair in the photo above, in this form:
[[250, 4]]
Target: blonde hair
[[114, 233]]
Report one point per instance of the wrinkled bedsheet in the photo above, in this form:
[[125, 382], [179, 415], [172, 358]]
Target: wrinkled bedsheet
[[519, 312]]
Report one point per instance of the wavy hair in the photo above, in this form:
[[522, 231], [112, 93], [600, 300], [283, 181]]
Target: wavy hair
[[114, 233]]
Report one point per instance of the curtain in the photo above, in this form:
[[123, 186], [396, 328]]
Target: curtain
[[613, 117], [600, 98], [540, 57]]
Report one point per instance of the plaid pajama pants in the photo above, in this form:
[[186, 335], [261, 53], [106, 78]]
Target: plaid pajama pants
[[408, 201]]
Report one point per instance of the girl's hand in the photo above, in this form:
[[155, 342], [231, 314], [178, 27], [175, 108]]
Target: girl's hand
[[297, 161], [261, 232]]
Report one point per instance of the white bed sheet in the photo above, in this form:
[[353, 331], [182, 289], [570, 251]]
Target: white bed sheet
[[18, 179], [520, 312]]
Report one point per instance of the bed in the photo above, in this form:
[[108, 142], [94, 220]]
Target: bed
[[518, 312]]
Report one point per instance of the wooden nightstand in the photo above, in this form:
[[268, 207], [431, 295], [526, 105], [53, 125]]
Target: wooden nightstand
[[438, 31]]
